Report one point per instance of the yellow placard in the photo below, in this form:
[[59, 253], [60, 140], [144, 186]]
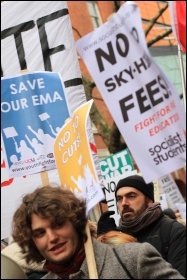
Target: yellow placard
[[72, 152]]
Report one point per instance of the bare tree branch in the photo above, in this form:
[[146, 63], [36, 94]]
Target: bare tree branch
[[78, 33], [153, 21], [159, 37]]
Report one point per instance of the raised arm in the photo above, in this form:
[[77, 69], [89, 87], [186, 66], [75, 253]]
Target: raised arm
[[52, 130], [32, 130], [28, 139], [16, 146]]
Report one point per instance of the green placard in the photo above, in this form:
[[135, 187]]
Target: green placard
[[116, 164]]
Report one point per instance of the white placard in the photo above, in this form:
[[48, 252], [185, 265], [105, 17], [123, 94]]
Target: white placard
[[144, 104], [171, 190]]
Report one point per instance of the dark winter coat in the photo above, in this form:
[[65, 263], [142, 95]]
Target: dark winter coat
[[176, 236]]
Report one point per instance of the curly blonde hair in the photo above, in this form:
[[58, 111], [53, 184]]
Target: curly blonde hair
[[47, 202], [114, 238]]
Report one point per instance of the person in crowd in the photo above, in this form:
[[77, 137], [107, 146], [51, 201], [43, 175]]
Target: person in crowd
[[50, 226], [114, 238], [179, 218], [168, 212], [141, 217]]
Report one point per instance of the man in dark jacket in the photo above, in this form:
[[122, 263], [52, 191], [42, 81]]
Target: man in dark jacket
[[144, 219]]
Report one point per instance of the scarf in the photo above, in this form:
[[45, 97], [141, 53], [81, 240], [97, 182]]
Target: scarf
[[151, 214], [72, 266]]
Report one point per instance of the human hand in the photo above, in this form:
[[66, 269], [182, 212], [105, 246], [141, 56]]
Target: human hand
[[105, 223]]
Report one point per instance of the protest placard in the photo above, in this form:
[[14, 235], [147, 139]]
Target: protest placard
[[116, 164], [173, 195], [144, 104], [30, 122], [74, 160]]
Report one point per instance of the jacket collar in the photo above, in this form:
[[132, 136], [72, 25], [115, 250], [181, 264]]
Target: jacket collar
[[100, 256]]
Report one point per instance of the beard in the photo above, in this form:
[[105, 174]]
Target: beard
[[128, 214]]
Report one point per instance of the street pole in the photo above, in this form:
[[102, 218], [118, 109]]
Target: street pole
[[182, 74]]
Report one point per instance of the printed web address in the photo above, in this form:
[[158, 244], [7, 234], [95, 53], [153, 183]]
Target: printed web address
[[90, 46], [49, 161], [104, 36]]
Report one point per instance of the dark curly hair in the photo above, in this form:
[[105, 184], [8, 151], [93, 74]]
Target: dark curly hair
[[47, 202]]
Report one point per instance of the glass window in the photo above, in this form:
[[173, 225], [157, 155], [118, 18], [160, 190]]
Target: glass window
[[94, 13]]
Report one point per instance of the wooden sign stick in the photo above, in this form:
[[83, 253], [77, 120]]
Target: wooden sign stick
[[90, 258]]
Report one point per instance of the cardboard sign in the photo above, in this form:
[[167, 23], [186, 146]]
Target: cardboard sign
[[171, 190], [116, 164], [74, 160], [144, 104], [30, 122]]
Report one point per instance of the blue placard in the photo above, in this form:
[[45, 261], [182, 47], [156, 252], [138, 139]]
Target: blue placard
[[33, 109]]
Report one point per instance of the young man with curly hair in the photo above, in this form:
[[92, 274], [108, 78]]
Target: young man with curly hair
[[50, 225]]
